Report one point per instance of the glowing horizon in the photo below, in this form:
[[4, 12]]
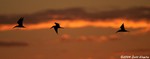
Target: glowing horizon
[[79, 23]]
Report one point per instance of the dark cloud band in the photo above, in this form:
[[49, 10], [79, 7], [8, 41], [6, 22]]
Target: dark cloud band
[[135, 14], [10, 44]]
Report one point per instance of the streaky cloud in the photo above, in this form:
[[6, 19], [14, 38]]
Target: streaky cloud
[[135, 13], [12, 44]]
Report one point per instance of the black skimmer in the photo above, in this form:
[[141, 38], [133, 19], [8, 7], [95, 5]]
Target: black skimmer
[[122, 29], [20, 23], [56, 27]]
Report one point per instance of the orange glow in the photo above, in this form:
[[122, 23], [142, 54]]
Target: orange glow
[[6, 27], [79, 23]]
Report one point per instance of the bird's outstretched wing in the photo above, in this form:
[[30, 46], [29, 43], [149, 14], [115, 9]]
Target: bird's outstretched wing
[[122, 27], [20, 21]]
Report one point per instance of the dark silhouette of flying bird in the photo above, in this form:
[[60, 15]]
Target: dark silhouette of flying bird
[[56, 27], [122, 29], [20, 23]]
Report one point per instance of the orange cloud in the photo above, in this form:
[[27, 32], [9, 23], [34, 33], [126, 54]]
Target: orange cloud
[[79, 23], [98, 38], [65, 37], [6, 27], [88, 38]]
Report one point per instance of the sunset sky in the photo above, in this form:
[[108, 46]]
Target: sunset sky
[[89, 29]]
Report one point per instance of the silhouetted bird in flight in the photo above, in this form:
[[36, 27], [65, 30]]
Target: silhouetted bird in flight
[[122, 29], [20, 23], [56, 27]]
